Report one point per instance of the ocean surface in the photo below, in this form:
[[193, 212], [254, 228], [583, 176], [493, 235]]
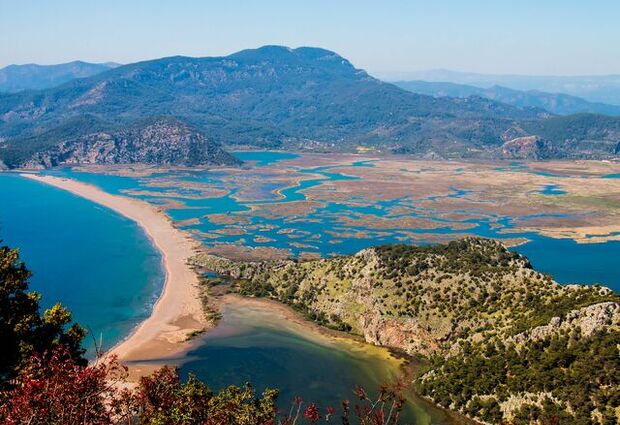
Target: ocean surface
[[321, 231], [104, 268], [94, 261]]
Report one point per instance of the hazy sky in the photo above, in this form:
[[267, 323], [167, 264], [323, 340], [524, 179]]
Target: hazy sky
[[382, 36]]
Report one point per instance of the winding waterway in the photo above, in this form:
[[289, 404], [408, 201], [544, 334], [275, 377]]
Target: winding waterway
[[321, 231], [105, 270]]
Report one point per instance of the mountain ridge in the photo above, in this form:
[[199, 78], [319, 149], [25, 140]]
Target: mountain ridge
[[292, 99], [594, 88], [31, 76], [556, 103]]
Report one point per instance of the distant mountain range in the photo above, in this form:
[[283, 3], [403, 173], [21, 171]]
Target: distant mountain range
[[15, 78], [556, 103], [295, 99], [593, 88]]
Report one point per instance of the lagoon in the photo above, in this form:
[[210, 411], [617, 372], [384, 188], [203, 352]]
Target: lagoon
[[110, 297], [324, 229], [255, 342]]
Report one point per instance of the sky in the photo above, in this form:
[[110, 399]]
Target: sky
[[384, 37]]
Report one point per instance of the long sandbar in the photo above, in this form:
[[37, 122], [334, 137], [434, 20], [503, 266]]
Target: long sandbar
[[178, 311]]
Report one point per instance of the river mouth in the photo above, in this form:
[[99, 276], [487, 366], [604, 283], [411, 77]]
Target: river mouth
[[236, 210], [270, 346]]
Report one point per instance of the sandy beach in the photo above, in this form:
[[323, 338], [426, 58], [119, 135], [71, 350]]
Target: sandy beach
[[178, 311]]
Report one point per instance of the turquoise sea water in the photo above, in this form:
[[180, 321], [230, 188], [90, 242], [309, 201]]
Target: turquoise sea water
[[323, 230], [111, 285], [97, 263]]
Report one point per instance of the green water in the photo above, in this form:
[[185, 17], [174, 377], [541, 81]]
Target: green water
[[112, 284], [256, 343]]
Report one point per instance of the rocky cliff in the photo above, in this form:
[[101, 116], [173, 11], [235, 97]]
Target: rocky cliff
[[527, 147], [161, 141], [457, 303]]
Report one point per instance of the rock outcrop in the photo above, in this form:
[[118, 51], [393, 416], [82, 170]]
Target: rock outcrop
[[162, 141], [526, 147], [506, 343], [587, 320]]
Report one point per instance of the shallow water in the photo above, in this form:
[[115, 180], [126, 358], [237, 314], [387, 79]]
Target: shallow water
[[324, 230], [264, 158], [94, 261], [552, 189], [256, 343]]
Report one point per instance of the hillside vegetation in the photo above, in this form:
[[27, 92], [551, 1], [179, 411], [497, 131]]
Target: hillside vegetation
[[46, 380], [158, 141], [505, 342], [295, 99]]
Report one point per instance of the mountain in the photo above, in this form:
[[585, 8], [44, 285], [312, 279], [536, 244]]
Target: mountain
[[593, 88], [15, 78], [504, 341], [277, 97], [161, 141], [271, 97], [556, 103]]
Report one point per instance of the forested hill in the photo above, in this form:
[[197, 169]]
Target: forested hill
[[161, 140], [506, 343], [297, 99]]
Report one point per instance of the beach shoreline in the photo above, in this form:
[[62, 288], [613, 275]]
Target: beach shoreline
[[162, 338], [178, 310]]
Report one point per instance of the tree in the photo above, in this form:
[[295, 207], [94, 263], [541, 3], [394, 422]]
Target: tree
[[55, 388], [23, 330], [47, 381]]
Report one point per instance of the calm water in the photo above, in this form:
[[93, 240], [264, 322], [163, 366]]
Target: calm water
[[255, 344], [262, 159], [87, 257], [322, 231], [111, 285]]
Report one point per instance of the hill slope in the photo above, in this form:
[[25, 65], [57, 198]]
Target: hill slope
[[463, 305], [276, 97], [272, 96], [158, 141], [556, 103], [15, 78]]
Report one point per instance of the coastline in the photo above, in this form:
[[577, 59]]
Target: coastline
[[178, 310], [162, 337], [283, 317]]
